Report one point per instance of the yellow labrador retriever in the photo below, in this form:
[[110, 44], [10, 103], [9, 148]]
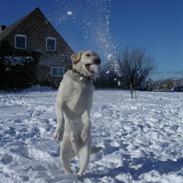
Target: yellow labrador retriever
[[73, 105]]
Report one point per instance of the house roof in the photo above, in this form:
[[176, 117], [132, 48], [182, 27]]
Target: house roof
[[11, 27]]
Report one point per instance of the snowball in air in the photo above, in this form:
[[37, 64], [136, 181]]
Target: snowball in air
[[109, 56], [70, 13], [86, 37]]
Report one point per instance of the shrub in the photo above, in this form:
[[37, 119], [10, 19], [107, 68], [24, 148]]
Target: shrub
[[17, 72]]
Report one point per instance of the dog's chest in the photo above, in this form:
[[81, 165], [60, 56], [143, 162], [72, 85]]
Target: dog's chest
[[81, 96]]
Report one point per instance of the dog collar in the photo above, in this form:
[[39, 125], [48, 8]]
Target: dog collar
[[81, 76]]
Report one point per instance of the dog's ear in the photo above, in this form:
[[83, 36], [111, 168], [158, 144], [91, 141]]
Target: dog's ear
[[76, 57]]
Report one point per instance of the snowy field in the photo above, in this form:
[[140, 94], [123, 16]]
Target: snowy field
[[141, 139]]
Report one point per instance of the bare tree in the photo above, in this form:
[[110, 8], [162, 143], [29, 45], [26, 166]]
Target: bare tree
[[134, 68], [107, 76]]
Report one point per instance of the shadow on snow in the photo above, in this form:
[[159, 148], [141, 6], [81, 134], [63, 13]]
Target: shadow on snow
[[147, 165]]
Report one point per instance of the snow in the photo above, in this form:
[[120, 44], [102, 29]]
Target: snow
[[109, 57], [90, 19], [70, 13], [141, 139], [107, 72], [17, 59]]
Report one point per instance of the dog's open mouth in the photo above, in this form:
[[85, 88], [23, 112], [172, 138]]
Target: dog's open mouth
[[92, 68]]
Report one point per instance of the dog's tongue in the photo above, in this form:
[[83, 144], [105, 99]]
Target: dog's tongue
[[93, 68]]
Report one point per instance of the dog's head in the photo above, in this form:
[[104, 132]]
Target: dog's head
[[86, 62]]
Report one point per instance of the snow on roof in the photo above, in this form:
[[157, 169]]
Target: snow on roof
[[17, 59], [11, 27]]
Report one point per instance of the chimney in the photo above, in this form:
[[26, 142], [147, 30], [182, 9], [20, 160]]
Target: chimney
[[2, 27]]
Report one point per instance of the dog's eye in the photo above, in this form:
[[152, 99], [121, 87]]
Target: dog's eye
[[88, 54]]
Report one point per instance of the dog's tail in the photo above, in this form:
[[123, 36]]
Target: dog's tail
[[95, 149]]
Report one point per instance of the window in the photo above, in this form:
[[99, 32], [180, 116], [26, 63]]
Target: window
[[51, 44], [20, 41], [57, 71]]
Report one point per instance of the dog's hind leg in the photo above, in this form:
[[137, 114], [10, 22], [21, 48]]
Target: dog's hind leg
[[66, 154], [84, 154]]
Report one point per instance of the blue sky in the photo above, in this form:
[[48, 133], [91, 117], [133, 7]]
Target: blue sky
[[110, 25]]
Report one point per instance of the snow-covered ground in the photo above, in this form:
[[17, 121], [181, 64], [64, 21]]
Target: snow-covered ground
[[141, 139]]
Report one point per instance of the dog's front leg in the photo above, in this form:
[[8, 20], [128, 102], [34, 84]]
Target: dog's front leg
[[85, 133], [59, 131]]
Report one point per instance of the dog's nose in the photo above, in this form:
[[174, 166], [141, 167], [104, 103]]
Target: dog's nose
[[97, 61]]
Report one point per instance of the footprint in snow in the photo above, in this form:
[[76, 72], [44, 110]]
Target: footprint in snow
[[6, 159]]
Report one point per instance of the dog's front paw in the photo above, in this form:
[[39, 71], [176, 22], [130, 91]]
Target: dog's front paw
[[58, 135], [85, 134]]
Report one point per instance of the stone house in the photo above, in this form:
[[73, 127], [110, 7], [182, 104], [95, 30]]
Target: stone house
[[34, 32]]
